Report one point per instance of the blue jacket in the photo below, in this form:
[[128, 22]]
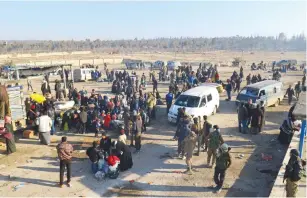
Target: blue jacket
[[169, 98], [191, 80], [184, 130], [228, 87]]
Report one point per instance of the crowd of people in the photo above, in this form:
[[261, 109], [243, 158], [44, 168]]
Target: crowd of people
[[131, 110]]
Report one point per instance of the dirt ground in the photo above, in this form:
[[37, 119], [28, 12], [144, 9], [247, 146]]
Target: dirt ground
[[34, 169]]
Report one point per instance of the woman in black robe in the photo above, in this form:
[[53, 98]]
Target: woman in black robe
[[124, 154]]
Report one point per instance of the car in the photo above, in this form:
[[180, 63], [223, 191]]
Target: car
[[198, 101]]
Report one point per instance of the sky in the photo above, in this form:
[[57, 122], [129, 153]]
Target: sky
[[142, 19]]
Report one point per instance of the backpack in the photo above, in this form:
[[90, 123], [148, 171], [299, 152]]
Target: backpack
[[297, 172], [214, 140]]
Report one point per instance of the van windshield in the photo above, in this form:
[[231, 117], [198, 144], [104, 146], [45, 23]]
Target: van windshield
[[187, 101], [249, 91]]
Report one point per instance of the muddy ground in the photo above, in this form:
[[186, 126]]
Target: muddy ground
[[34, 169]]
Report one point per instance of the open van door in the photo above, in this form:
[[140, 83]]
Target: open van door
[[263, 97]]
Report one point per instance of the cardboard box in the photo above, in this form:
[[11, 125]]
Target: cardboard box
[[28, 134]]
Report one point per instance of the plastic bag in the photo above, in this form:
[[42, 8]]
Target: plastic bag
[[101, 163], [99, 175]]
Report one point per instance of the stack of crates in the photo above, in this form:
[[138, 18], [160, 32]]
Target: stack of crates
[[17, 106]]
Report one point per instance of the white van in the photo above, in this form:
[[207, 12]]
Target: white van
[[198, 101], [83, 74]]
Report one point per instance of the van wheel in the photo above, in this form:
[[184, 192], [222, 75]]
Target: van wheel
[[277, 103], [214, 111]]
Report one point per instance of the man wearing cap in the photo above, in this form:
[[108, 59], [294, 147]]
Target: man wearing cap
[[214, 141], [294, 173], [223, 162]]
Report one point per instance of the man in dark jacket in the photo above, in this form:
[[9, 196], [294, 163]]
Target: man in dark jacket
[[223, 162], [242, 118], [294, 173], [83, 120], [182, 132], [290, 93], [169, 99], [92, 153], [256, 120], [45, 88], [228, 90], [298, 89], [215, 140], [206, 131]]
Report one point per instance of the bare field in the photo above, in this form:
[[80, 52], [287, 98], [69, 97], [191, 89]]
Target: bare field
[[224, 57]]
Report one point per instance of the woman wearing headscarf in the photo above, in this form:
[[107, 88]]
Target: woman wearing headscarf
[[124, 154], [7, 132]]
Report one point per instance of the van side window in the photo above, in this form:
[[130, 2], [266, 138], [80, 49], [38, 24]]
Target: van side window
[[275, 90], [203, 102], [209, 97], [262, 93]]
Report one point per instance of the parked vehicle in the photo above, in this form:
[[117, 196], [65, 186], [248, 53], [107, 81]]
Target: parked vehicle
[[158, 65], [83, 74], [268, 91], [173, 65], [198, 101]]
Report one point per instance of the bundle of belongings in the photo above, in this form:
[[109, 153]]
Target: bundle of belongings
[[103, 164], [108, 167]]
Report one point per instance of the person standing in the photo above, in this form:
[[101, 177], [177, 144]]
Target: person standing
[[206, 131], [256, 120], [298, 89], [169, 99], [29, 84], [294, 173], [228, 90], [45, 88], [182, 132], [304, 80], [196, 129], [92, 153], [248, 79], [7, 132], [44, 124], [65, 151], [189, 146], [262, 109], [290, 93], [223, 162], [214, 141], [122, 138], [138, 133], [242, 118], [83, 120], [155, 85], [51, 114], [238, 84]]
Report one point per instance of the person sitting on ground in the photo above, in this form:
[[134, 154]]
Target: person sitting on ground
[[105, 144]]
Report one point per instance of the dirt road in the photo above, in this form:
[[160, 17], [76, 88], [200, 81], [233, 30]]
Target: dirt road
[[33, 170]]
